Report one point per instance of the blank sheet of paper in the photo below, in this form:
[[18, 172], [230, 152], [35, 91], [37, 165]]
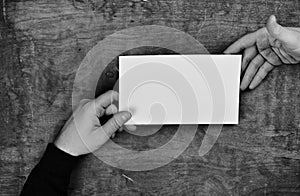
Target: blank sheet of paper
[[180, 89]]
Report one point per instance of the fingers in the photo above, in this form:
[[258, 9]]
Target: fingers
[[251, 71], [270, 56], [105, 100], [280, 55], [284, 57], [261, 74], [244, 42], [116, 122], [249, 54], [111, 109], [130, 127], [283, 34]]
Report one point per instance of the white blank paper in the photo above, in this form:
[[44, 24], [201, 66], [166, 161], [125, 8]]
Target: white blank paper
[[180, 89]]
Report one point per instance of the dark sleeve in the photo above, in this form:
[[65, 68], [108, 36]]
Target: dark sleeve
[[51, 176]]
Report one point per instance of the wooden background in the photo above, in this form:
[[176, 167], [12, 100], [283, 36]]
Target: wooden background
[[42, 45]]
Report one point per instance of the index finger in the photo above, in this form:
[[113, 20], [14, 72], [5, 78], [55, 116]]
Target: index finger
[[242, 43], [105, 100]]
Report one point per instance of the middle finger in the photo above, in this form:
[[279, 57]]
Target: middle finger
[[249, 54], [251, 70]]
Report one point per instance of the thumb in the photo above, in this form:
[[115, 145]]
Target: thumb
[[283, 34], [116, 122]]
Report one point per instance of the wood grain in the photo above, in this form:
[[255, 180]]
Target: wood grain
[[42, 45]]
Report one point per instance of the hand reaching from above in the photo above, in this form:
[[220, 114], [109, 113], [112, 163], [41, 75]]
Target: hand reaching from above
[[265, 49]]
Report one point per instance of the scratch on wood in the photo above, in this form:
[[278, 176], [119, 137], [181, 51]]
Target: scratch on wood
[[4, 11], [274, 134], [128, 178]]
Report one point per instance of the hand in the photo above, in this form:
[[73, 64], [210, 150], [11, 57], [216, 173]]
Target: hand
[[83, 132], [265, 49]]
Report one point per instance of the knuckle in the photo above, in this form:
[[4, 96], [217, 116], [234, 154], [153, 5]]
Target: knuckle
[[256, 63], [101, 112], [277, 43], [246, 59], [264, 69], [267, 67], [111, 92], [267, 53], [116, 123]]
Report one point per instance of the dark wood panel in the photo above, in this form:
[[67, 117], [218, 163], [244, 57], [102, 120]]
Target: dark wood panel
[[42, 45]]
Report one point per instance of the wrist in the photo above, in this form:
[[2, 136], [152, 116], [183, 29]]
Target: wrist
[[64, 149]]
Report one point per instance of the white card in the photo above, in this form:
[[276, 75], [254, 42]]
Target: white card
[[180, 89]]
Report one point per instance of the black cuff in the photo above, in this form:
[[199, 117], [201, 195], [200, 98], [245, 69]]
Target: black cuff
[[57, 161]]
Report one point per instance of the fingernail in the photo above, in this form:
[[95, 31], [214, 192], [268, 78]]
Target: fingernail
[[126, 116]]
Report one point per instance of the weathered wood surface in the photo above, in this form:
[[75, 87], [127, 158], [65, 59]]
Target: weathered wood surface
[[42, 45]]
